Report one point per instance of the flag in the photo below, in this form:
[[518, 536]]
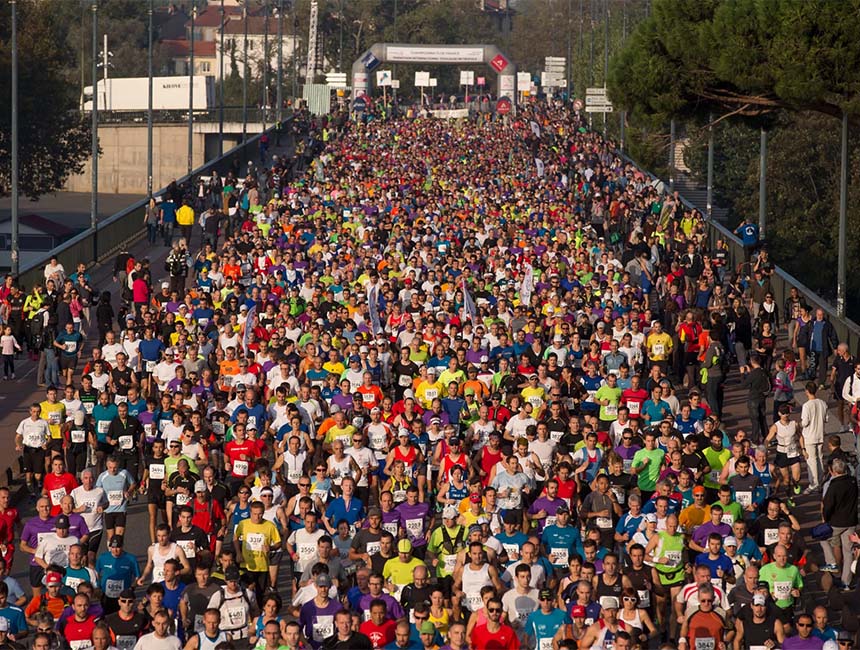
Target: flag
[[469, 308], [535, 127], [373, 306], [248, 327], [540, 167], [527, 285]]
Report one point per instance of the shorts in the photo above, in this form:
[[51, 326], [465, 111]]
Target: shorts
[[785, 616], [55, 445], [114, 519], [157, 498], [34, 459], [691, 358], [68, 362], [93, 541], [782, 460], [105, 448], [36, 575], [446, 584]]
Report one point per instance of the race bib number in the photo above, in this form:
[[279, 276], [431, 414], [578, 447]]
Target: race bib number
[[113, 588], [549, 521], [80, 644], [157, 574], [391, 527], [236, 616], [556, 436], [150, 366], [535, 401], [511, 549], [227, 380], [103, 426], [115, 497], [728, 518], [674, 557], [70, 347], [255, 542], [368, 398], [404, 381], [240, 468], [323, 628], [148, 429], [294, 475], [415, 527], [34, 439], [714, 475], [771, 536], [644, 598], [782, 590], [72, 583], [603, 522], [88, 407], [156, 471], [183, 499], [611, 410], [126, 442], [189, 547], [377, 441], [545, 644], [78, 436], [125, 641], [120, 399], [57, 495], [473, 602], [306, 551], [633, 407], [744, 499], [706, 643], [620, 497], [54, 418], [628, 464], [431, 394], [561, 556], [373, 548], [658, 349], [450, 563]]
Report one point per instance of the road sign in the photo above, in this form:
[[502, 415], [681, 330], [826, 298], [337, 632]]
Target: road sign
[[524, 81], [503, 106], [599, 109], [498, 63], [422, 79], [395, 83], [467, 77], [383, 78], [335, 79], [433, 82]]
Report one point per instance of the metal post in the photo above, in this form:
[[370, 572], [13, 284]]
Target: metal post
[[843, 218], [105, 61], [15, 256], [279, 92], [762, 187], [710, 197], [293, 52], [245, 75], [591, 50], [605, 52], [94, 198], [622, 118], [265, 62], [340, 45], [672, 155], [191, 91], [149, 105], [569, 51], [221, 88]]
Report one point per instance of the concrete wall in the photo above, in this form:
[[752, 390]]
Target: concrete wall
[[122, 164]]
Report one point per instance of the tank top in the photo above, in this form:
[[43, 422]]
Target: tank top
[[764, 478], [458, 493], [407, 458], [261, 624], [604, 589], [447, 463], [786, 439], [488, 461], [339, 468], [241, 513], [272, 515], [473, 581], [606, 638], [205, 643], [158, 560], [398, 489], [640, 580], [672, 547], [441, 623], [755, 634]]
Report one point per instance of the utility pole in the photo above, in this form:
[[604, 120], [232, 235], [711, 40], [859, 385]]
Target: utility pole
[[591, 51], [340, 45], [672, 155], [762, 186], [293, 57], [191, 91], [94, 197], [221, 87], [245, 75], [569, 51], [15, 254], [279, 92], [149, 104], [265, 61], [843, 219], [710, 197]]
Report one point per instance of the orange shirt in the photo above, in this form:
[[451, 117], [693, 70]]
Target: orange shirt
[[54, 605], [706, 626], [370, 395], [227, 368]]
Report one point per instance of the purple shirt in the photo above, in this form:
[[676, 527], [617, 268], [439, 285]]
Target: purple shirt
[[35, 527], [393, 608], [700, 536], [547, 504], [796, 643], [409, 516], [77, 526], [310, 616]]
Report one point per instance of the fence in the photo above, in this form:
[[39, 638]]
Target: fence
[[846, 329], [125, 227]]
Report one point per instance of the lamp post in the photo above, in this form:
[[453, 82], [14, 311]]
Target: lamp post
[[191, 91], [149, 106], [15, 254], [245, 75], [94, 197], [221, 87], [279, 93]]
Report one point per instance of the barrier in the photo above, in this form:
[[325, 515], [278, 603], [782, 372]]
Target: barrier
[[846, 329], [125, 227]]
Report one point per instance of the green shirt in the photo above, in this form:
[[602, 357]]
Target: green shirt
[[781, 582], [733, 510], [716, 460], [457, 536], [647, 479], [608, 413]]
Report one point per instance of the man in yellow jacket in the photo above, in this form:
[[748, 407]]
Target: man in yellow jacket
[[185, 220]]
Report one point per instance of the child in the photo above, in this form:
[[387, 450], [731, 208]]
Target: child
[[8, 345]]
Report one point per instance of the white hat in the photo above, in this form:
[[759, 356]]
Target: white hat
[[450, 512]]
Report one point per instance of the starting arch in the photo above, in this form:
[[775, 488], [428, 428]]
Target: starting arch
[[489, 55]]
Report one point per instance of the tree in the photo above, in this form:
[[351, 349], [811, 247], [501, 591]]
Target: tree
[[54, 138]]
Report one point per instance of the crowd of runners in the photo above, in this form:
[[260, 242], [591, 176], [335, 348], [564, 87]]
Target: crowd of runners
[[454, 384]]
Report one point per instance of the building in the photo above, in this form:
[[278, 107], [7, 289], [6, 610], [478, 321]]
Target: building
[[36, 236], [234, 44]]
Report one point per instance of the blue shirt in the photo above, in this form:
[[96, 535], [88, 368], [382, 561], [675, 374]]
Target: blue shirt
[[115, 487], [722, 562], [337, 510], [123, 568], [150, 350], [544, 626], [15, 590], [15, 616], [568, 537], [748, 233], [168, 210]]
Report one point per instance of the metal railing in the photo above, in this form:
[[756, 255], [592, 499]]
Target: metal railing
[[126, 226], [209, 115], [846, 329]]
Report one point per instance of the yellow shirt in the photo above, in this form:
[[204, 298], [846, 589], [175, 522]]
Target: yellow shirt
[[55, 415], [659, 346], [257, 540], [448, 376], [427, 392], [693, 516], [534, 396], [337, 433], [185, 216], [334, 367], [399, 572]]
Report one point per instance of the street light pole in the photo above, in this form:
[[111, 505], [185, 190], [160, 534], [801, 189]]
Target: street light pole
[[191, 91], [94, 198], [265, 61], [245, 75], [672, 155], [221, 88], [293, 52], [843, 219], [762, 186], [149, 106], [710, 197], [280, 93], [15, 255]]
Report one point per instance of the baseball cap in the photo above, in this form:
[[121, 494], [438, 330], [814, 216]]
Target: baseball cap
[[323, 580], [200, 486], [759, 599], [232, 572], [562, 508], [730, 541], [53, 578], [455, 440], [165, 285], [475, 528], [475, 497], [450, 512], [404, 546], [374, 512], [699, 489], [62, 521], [376, 409], [577, 611], [650, 518], [116, 541], [427, 628], [127, 594], [545, 594], [609, 602], [469, 391]]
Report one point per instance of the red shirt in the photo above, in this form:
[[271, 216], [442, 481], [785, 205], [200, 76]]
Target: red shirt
[[504, 639], [206, 514], [10, 517], [633, 400], [488, 461], [380, 635], [56, 487], [242, 455], [74, 630]]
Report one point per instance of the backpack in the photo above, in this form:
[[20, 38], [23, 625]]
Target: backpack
[[452, 546]]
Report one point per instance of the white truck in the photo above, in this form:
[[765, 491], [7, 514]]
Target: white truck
[[168, 94]]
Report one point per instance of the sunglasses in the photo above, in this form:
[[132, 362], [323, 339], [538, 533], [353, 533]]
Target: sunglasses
[[304, 484], [495, 610], [629, 599], [804, 624], [122, 600]]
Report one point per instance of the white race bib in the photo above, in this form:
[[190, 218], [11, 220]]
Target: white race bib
[[240, 468], [744, 499], [188, 546], [323, 628], [255, 541], [450, 563], [771, 536], [78, 436], [727, 518], [633, 407], [57, 495], [431, 394], [183, 499], [391, 527], [150, 366], [404, 381], [103, 426], [644, 598], [658, 349], [126, 442], [603, 522], [415, 527], [611, 410], [705, 643], [113, 588], [561, 556], [156, 471], [115, 497], [473, 602], [782, 590]]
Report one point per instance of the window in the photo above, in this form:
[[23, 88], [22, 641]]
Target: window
[[35, 242], [204, 66]]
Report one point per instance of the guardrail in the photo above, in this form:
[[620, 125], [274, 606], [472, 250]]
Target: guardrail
[[180, 116], [126, 226], [846, 329]]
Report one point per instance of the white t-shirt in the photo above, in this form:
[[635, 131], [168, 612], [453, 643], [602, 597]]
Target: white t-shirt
[[54, 549], [92, 499], [34, 434], [152, 642]]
